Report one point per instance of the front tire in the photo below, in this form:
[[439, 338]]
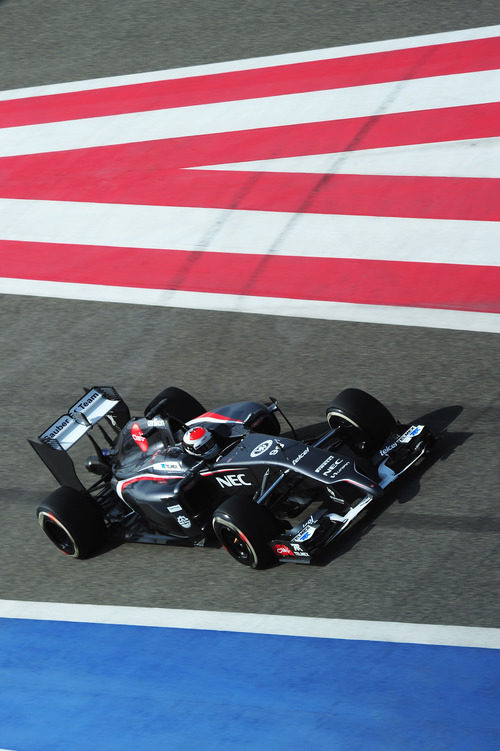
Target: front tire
[[245, 529], [73, 522], [357, 409]]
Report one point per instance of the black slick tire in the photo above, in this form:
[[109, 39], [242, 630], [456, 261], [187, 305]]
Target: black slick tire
[[357, 409], [73, 522], [176, 403], [245, 529]]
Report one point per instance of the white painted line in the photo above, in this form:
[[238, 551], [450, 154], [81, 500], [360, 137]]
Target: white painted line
[[467, 158], [255, 232], [324, 628], [289, 109], [330, 311], [447, 37]]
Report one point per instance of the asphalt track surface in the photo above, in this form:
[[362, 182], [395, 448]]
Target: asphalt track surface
[[429, 554]]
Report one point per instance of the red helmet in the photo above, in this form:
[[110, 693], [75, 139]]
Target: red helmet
[[201, 442]]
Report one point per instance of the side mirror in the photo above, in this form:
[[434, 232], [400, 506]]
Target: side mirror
[[96, 466]]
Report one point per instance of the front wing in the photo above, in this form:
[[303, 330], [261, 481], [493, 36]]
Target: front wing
[[301, 543]]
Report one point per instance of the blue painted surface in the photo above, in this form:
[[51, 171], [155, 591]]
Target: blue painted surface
[[84, 686]]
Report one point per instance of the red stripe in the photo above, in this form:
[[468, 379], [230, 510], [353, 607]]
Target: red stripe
[[426, 285], [368, 195], [350, 134], [214, 416], [377, 67], [141, 160], [145, 172]]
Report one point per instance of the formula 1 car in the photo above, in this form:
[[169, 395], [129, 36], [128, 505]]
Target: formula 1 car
[[183, 475]]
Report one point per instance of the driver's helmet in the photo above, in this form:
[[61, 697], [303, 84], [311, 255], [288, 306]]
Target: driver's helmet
[[200, 441]]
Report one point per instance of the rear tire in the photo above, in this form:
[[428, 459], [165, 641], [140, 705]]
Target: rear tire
[[73, 522], [356, 408], [244, 529], [175, 403]]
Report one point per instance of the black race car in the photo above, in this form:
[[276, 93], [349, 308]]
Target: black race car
[[187, 476]]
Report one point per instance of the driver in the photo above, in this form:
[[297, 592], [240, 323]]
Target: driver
[[201, 442]]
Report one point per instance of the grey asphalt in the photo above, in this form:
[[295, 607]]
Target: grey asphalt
[[48, 41], [429, 554]]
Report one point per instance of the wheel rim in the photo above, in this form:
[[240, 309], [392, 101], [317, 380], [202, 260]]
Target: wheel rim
[[236, 544], [58, 534], [343, 419]]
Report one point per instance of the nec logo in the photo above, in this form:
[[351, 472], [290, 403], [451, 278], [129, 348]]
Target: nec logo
[[232, 481]]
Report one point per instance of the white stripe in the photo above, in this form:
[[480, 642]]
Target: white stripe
[[330, 311], [219, 420], [140, 478], [232, 231], [467, 158], [234, 468], [254, 623], [448, 37], [265, 112]]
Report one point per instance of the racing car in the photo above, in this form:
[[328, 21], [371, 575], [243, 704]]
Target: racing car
[[183, 475]]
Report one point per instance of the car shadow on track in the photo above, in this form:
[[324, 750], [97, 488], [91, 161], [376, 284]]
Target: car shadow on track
[[408, 487]]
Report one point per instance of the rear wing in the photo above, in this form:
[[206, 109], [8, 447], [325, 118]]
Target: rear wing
[[100, 402]]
